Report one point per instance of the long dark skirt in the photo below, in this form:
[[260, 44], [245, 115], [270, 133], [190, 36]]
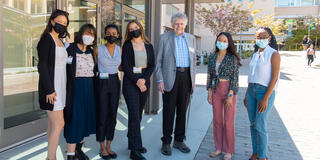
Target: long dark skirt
[[83, 115]]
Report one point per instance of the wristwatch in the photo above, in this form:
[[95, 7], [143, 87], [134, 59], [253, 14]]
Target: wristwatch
[[230, 95]]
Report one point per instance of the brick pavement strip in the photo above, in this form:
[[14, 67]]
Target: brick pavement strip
[[294, 132]]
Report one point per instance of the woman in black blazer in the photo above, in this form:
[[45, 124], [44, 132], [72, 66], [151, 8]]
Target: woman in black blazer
[[138, 64], [52, 76]]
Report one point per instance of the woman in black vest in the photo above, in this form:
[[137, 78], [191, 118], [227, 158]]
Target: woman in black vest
[[138, 64], [80, 113], [52, 76]]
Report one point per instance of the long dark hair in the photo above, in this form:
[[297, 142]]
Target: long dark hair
[[273, 42], [143, 35], [54, 15], [84, 28], [231, 47]]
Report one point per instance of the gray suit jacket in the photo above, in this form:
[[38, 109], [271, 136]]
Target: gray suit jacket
[[166, 59]]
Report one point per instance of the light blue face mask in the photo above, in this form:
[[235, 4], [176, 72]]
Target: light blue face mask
[[222, 45], [262, 43]]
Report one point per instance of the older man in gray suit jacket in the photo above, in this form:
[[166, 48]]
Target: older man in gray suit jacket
[[175, 72]]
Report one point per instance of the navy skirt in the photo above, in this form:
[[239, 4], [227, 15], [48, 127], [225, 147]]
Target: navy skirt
[[83, 115]]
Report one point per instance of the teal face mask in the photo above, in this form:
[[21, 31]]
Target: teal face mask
[[262, 43], [222, 45]]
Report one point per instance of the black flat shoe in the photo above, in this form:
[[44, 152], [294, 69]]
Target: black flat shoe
[[113, 156], [143, 150], [71, 157], [136, 155], [79, 153], [107, 157]]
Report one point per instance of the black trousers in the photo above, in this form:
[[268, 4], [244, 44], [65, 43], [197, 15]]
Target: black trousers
[[109, 93], [310, 59], [176, 103], [135, 101]]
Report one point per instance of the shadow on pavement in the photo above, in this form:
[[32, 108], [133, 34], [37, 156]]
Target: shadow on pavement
[[285, 76], [281, 145]]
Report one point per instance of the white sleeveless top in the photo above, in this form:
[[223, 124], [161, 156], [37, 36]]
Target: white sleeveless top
[[60, 77], [260, 67]]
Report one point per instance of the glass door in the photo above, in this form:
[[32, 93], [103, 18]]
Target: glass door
[[82, 12], [22, 25], [130, 14]]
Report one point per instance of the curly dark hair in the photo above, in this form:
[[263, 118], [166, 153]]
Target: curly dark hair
[[273, 42]]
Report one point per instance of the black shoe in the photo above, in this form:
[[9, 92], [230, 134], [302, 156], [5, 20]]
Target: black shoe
[[136, 155], [181, 146], [69, 157], [79, 153], [143, 150], [107, 157], [166, 149], [113, 156]]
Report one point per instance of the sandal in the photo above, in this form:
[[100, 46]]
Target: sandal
[[228, 156], [215, 154]]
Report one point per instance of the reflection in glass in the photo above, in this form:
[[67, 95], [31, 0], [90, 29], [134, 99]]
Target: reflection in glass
[[307, 2], [23, 22], [110, 14], [169, 8], [139, 5], [80, 12]]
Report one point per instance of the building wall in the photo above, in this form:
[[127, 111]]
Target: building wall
[[283, 12]]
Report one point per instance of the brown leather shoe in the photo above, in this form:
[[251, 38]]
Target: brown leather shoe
[[181, 146], [166, 149]]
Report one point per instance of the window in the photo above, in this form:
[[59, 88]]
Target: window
[[307, 2], [22, 28], [139, 5], [296, 3]]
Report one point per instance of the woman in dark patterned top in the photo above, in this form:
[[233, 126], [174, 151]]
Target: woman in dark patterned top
[[222, 85]]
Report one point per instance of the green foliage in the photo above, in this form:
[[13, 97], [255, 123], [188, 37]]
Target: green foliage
[[246, 54]]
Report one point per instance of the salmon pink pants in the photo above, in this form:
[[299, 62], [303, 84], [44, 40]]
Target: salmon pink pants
[[223, 119]]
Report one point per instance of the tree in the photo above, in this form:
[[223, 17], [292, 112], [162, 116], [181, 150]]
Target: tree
[[224, 18], [300, 29], [277, 26]]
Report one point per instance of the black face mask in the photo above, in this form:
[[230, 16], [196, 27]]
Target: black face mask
[[59, 28], [111, 39], [135, 33]]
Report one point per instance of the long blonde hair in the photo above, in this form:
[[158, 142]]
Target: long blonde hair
[[128, 37]]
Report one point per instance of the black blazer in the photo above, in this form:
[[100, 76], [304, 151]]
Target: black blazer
[[46, 52], [128, 62], [71, 76]]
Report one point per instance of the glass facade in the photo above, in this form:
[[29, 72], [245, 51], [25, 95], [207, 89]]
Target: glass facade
[[169, 8], [136, 4], [296, 3], [80, 12], [110, 14], [22, 23]]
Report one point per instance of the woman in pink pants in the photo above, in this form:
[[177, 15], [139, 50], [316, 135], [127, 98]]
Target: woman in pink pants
[[222, 85]]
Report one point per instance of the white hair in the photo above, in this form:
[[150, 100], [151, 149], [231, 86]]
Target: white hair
[[179, 15]]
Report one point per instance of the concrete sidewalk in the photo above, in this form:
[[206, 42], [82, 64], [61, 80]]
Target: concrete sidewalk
[[200, 119], [294, 131]]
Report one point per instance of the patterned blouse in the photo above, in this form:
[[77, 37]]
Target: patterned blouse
[[84, 64], [228, 70]]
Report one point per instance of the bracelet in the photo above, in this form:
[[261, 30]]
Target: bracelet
[[230, 95]]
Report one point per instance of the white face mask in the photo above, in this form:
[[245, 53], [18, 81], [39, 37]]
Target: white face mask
[[87, 40]]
